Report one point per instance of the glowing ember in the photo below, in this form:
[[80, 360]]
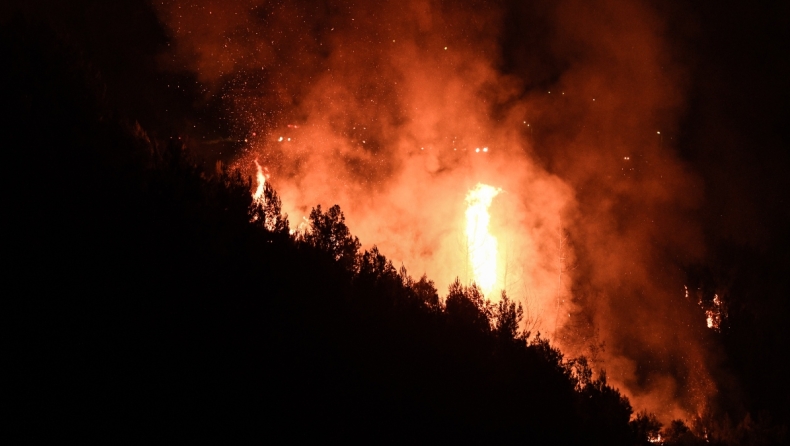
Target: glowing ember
[[481, 244], [258, 195], [715, 313]]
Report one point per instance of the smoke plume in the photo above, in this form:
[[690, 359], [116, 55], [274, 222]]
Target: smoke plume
[[395, 110]]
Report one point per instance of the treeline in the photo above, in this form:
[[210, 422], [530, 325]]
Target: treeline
[[152, 298]]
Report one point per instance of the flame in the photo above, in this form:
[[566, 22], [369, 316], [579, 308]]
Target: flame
[[715, 313], [411, 102], [258, 195], [481, 245]]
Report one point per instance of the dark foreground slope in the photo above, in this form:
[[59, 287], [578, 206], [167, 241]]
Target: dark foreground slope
[[152, 299]]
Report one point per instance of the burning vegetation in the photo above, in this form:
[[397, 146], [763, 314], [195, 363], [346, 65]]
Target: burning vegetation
[[481, 245], [399, 122], [198, 293], [715, 312]]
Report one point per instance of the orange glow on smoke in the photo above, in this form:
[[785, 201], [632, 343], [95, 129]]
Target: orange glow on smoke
[[481, 245], [394, 110]]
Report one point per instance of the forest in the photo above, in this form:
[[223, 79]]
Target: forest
[[153, 298]]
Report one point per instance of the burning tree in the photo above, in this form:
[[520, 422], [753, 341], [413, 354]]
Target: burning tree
[[482, 246]]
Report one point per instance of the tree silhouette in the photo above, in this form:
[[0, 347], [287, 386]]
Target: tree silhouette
[[329, 233], [467, 307], [507, 316], [678, 434], [425, 291], [646, 428], [268, 212]]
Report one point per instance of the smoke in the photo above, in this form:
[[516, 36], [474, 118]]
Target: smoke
[[395, 110]]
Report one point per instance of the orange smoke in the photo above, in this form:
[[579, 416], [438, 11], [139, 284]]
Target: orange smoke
[[394, 110]]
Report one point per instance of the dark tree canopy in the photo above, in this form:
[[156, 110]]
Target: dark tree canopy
[[268, 212], [328, 232]]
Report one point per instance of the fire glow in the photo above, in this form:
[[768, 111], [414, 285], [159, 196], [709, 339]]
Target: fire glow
[[258, 194], [387, 123], [481, 245]]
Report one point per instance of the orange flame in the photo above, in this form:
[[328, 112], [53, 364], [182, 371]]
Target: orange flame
[[482, 246], [258, 195]]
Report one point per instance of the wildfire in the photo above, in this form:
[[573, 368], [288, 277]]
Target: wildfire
[[715, 310], [482, 246], [715, 313], [258, 195]]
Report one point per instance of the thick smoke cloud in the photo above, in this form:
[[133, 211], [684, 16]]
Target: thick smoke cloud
[[381, 107]]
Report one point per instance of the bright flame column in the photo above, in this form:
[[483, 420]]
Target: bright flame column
[[258, 194], [482, 246]]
